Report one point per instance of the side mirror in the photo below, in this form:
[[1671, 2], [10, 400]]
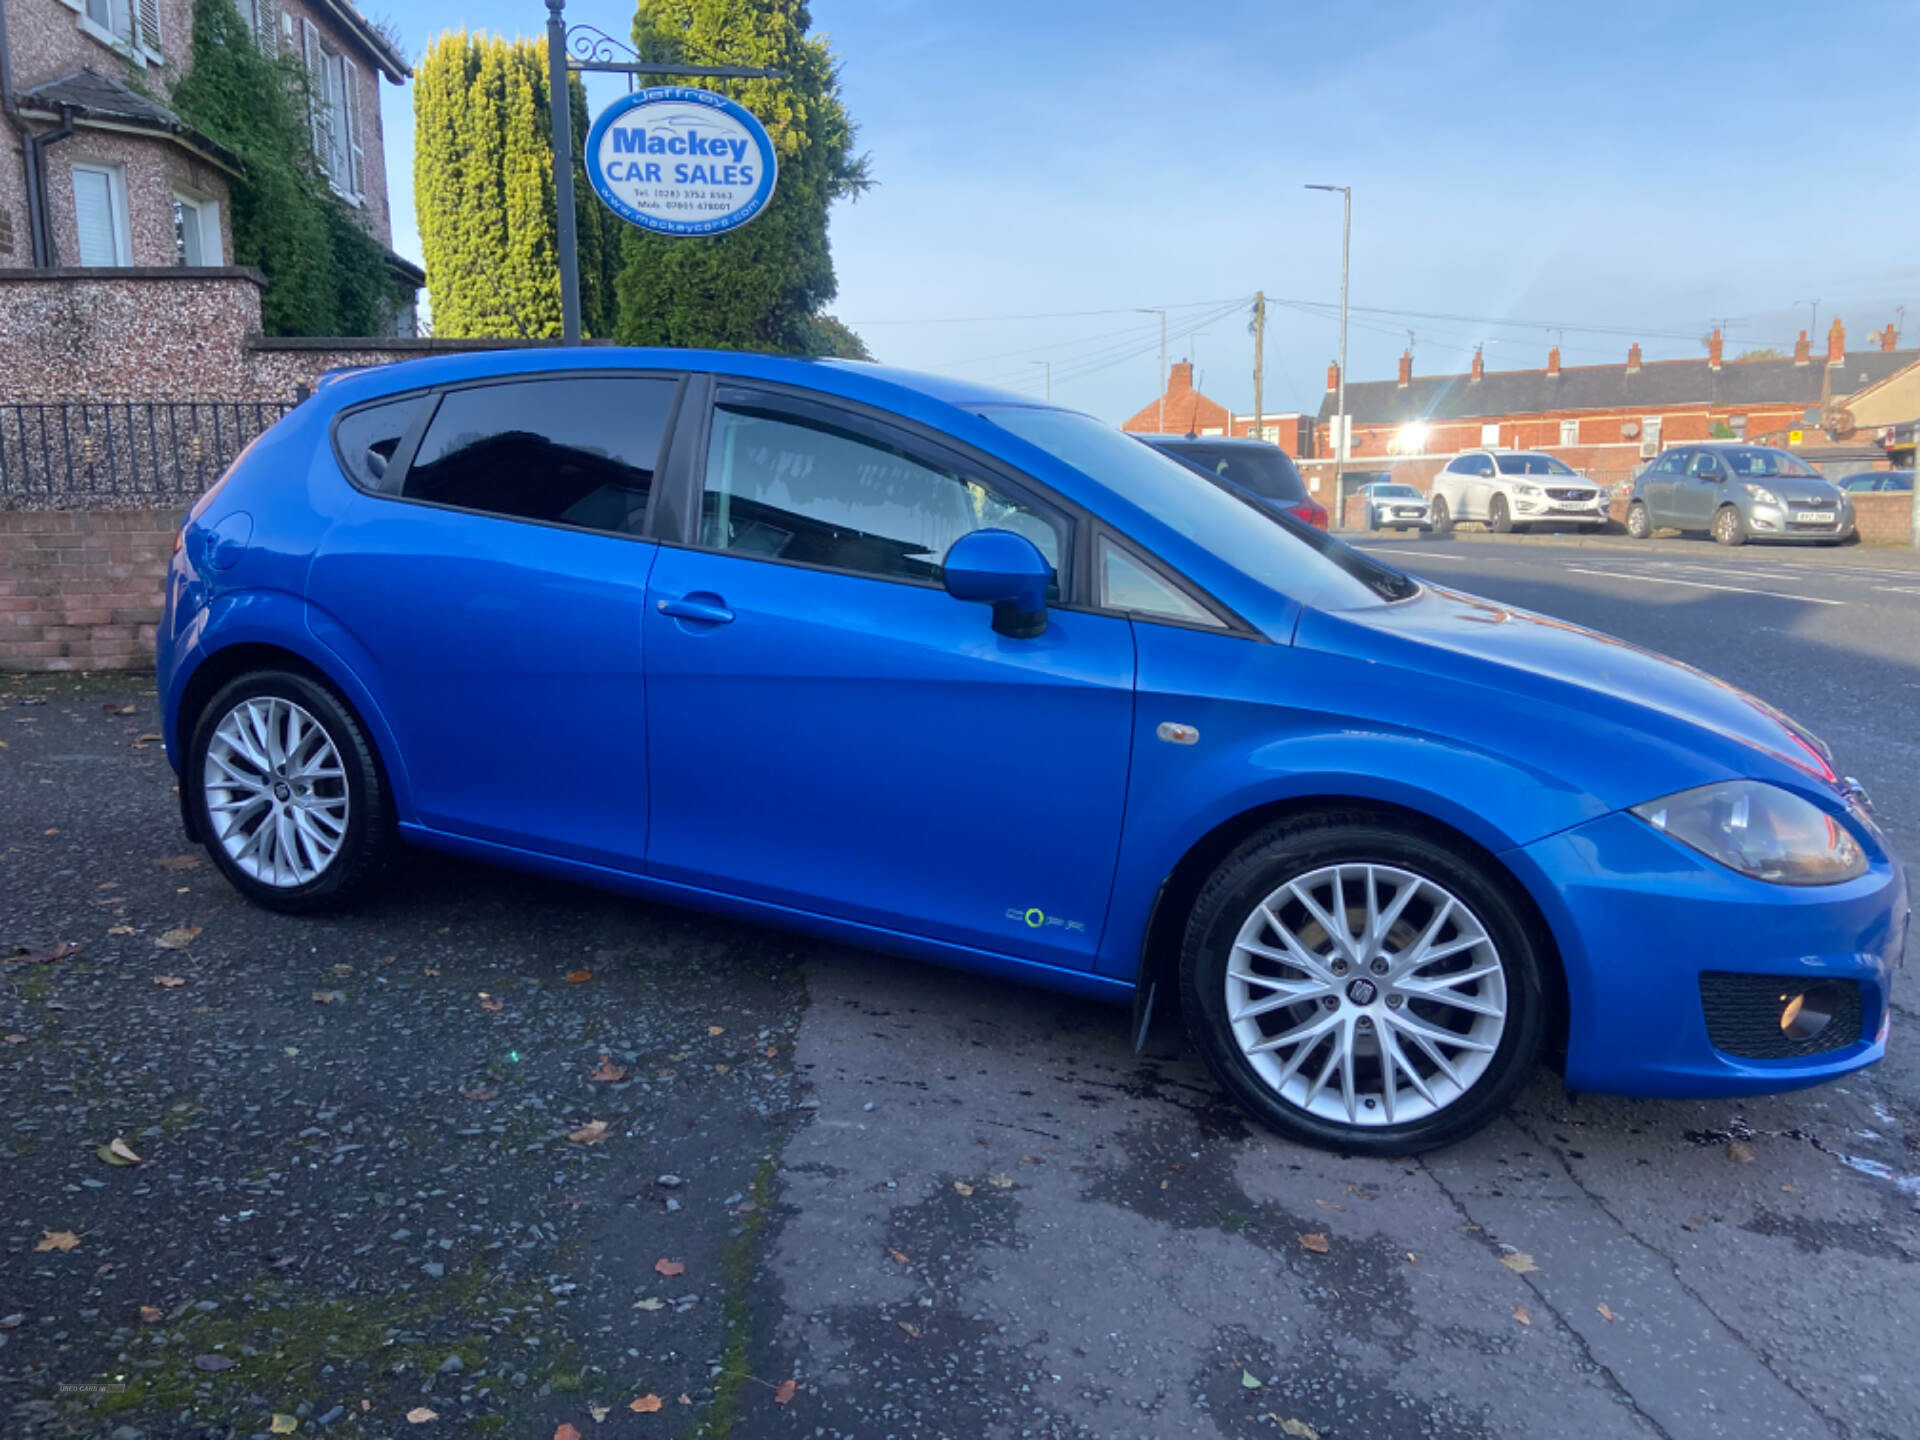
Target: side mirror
[[1006, 571]]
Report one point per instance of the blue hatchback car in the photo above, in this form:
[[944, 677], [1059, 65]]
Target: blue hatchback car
[[933, 669]]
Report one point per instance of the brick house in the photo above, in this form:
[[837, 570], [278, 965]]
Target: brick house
[[1183, 410], [98, 175], [1608, 419]]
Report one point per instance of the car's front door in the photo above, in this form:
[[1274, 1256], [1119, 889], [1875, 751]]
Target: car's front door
[[1479, 486], [830, 731], [493, 590], [1700, 491]]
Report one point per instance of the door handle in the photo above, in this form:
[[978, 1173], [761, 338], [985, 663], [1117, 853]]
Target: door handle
[[707, 612]]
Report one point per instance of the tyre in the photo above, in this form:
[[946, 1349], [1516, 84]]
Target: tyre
[[1728, 526], [1499, 518], [1439, 517], [1360, 985], [1373, 520], [288, 794], [1639, 522]]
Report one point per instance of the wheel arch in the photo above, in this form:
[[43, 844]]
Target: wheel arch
[[1166, 923]]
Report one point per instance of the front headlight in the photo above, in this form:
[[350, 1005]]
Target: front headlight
[[1760, 830], [1762, 494], [1532, 492]]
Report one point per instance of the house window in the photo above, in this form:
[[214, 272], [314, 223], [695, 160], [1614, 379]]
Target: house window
[[129, 25], [100, 215], [196, 230], [1737, 424], [1569, 432], [1490, 434], [333, 82], [1650, 435]]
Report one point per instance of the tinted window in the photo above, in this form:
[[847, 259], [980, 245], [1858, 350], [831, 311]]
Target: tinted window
[[1703, 463], [1756, 461], [1671, 463], [785, 486], [1461, 464], [1532, 465], [365, 441], [1287, 555], [1395, 492], [578, 451], [1126, 584], [1482, 465], [1265, 471]]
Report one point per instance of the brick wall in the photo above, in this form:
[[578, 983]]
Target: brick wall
[[80, 590], [1883, 519]]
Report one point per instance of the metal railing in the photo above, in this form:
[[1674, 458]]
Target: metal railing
[[99, 454]]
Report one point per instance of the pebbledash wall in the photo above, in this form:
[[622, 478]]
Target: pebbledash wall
[[81, 588]]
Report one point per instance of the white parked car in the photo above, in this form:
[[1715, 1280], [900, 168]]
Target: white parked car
[[1392, 506], [1510, 490]]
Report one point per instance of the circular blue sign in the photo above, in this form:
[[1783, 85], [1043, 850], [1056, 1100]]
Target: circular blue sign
[[680, 161]]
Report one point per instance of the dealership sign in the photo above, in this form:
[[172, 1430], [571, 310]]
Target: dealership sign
[[679, 161]]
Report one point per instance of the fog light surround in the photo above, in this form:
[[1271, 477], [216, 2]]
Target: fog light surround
[[1805, 1013]]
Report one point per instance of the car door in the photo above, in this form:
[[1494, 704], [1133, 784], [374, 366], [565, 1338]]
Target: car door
[[830, 731], [1480, 485], [1657, 487], [1700, 491], [491, 585]]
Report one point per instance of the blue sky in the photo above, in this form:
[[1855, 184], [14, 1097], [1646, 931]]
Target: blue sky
[[1634, 170]]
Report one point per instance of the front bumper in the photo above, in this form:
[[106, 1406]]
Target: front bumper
[[1561, 512], [1640, 917], [1776, 522]]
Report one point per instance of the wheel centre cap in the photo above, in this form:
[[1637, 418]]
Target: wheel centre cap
[[1362, 991], [282, 791]]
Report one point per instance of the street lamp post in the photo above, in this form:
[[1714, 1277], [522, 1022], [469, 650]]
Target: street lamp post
[[559, 102], [1340, 397], [1160, 405]]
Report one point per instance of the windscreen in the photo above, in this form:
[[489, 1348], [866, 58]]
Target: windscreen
[[1287, 555], [1263, 469], [1531, 465], [1749, 462], [1396, 492]]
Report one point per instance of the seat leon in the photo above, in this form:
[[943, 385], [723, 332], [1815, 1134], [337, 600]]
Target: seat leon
[[937, 671]]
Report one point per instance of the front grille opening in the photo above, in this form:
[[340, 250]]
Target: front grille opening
[[1772, 1017]]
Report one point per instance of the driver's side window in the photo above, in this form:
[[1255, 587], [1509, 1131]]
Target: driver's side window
[[1705, 466]]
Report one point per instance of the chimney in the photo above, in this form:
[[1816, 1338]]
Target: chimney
[[1889, 338], [1837, 343], [1553, 363], [1716, 347], [1633, 358], [1479, 364], [1333, 378], [1406, 368], [1802, 350], [1180, 377]]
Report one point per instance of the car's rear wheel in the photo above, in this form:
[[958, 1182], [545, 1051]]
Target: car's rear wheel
[[1439, 517], [1728, 527], [1639, 522], [1499, 518], [1359, 985], [287, 793]]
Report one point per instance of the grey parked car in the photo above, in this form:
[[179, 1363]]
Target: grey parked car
[[1738, 493]]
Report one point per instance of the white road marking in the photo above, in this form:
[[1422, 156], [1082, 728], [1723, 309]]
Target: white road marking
[[1899, 589], [1702, 585]]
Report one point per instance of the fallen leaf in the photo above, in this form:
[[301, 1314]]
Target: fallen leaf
[[772, 1051], [650, 1303], [124, 710], [899, 1257], [1519, 1262], [178, 938], [784, 1395], [1788, 1189], [151, 1314], [598, 1411], [169, 982], [117, 1152], [43, 955], [148, 739], [16, 1039], [178, 862], [591, 1133], [1523, 1315], [1607, 1314], [283, 1425], [579, 977], [1329, 1205], [670, 1267], [685, 1399], [420, 1414], [999, 1182], [646, 1404], [910, 1328], [607, 1073], [491, 1005], [566, 1431], [716, 1029], [1299, 1429], [1248, 1381], [960, 1187], [1741, 1153], [1316, 1242], [1412, 1259], [430, 971], [721, 1069], [213, 1364], [328, 997], [120, 930], [57, 1240], [481, 1092], [1694, 1222]]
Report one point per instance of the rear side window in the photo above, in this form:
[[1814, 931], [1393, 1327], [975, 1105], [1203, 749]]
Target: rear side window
[[580, 450], [367, 439]]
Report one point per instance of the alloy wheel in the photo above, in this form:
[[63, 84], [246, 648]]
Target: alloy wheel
[[276, 792], [1366, 994]]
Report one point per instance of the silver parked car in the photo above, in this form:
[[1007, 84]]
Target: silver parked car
[[1515, 490], [1738, 493], [1391, 506]]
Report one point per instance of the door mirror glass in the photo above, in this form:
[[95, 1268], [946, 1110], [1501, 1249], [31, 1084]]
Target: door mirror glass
[[1006, 571]]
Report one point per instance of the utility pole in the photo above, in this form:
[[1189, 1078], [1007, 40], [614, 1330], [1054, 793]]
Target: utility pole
[[1049, 365], [1160, 411], [1340, 399], [1259, 359], [560, 104]]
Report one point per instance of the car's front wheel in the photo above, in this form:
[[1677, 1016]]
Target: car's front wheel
[[287, 793], [1728, 526], [1499, 518], [1359, 985], [1440, 518], [1639, 522]]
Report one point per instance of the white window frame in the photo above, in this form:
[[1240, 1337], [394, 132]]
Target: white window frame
[[1569, 432], [1650, 434], [335, 114], [212, 251], [141, 18], [122, 231], [1490, 434]]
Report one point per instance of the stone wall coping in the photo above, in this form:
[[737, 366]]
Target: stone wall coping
[[400, 345], [17, 276]]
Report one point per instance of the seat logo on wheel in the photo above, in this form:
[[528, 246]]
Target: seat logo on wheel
[[1362, 991]]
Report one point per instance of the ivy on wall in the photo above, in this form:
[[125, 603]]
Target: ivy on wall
[[325, 274]]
